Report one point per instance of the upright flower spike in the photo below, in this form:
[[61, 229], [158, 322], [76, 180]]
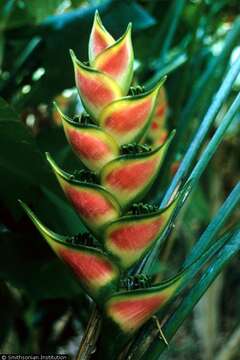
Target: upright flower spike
[[122, 172], [96, 89], [117, 61], [131, 309], [96, 273], [127, 119], [99, 39], [93, 146], [130, 237], [94, 204], [129, 177]]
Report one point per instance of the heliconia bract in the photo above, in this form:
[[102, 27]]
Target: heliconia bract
[[130, 237], [96, 88], [99, 39], [128, 118], [95, 205], [117, 61], [131, 309], [129, 177], [93, 146], [97, 274], [108, 139]]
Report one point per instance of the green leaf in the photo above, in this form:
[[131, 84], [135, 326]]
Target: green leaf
[[26, 174], [209, 81], [6, 112], [22, 164], [204, 127], [202, 162], [26, 265], [173, 18], [26, 12], [219, 220], [60, 215], [18, 151]]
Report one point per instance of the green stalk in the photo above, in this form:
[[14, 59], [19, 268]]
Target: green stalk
[[90, 337]]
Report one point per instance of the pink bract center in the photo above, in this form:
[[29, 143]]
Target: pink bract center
[[88, 146], [130, 117], [117, 62], [89, 204], [132, 313], [136, 236], [132, 176], [87, 267], [94, 90], [99, 42]]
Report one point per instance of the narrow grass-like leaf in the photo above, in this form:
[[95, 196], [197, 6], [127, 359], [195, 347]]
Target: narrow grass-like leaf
[[201, 165], [208, 80], [174, 18], [205, 90], [215, 225], [174, 60], [163, 38], [202, 132], [213, 144]]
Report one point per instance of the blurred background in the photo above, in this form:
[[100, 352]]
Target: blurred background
[[42, 308]]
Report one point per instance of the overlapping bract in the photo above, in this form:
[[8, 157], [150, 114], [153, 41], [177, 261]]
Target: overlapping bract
[[97, 273], [123, 237], [130, 310]]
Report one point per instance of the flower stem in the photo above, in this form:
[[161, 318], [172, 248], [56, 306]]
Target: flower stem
[[88, 342]]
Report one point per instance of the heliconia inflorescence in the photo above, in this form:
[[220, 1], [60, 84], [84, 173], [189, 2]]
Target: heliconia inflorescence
[[109, 140]]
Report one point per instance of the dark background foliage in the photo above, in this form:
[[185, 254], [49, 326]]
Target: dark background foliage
[[42, 308]]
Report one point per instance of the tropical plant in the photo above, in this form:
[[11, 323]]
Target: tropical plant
[[112, 259], [125, 205]]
